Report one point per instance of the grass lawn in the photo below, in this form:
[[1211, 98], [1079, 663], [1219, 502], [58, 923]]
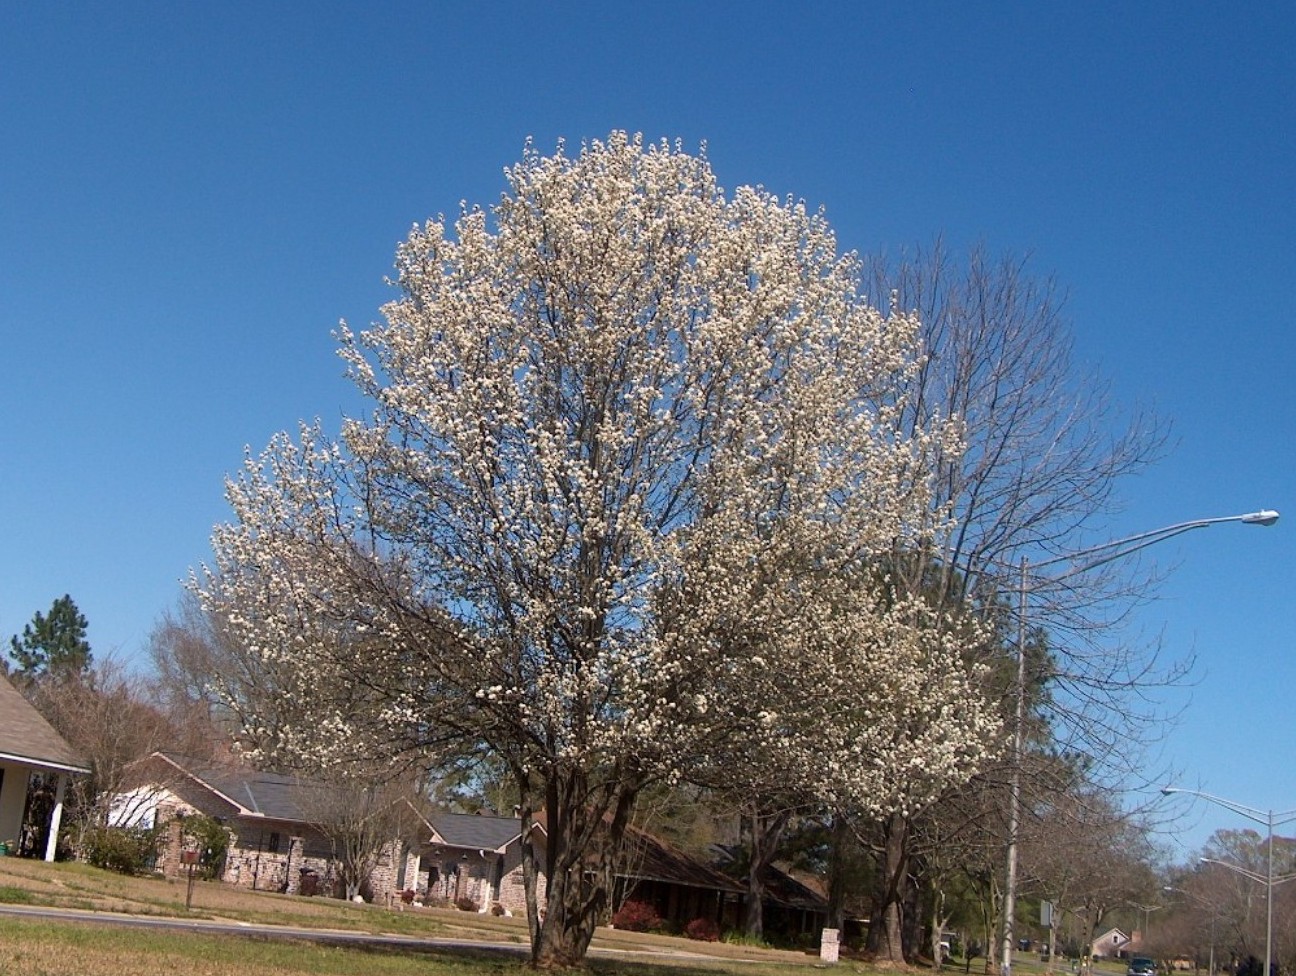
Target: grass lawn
[[31, 947], [40, 947]]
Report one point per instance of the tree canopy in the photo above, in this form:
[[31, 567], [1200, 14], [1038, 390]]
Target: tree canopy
[[52, 645], [634, 459]]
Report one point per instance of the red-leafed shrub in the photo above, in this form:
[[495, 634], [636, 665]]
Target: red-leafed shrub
[[465, 904], [637, 916], [703, 930]]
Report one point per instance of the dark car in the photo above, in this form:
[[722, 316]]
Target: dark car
[[1141, 966]]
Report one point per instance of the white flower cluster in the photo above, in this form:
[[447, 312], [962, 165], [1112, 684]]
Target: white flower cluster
[[632, 455]]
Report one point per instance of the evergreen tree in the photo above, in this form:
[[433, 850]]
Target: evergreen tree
[[52, 646]]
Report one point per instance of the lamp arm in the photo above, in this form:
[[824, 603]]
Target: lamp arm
[[1119, 548], [1261, 817]]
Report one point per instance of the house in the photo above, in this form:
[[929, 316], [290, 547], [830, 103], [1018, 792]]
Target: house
[[1112, 944], [275, 843], [468, 860], [476, 857], [791, 906], [29, 746], [679, 886]]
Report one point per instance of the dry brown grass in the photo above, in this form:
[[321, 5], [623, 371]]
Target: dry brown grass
[[68, 885], [34, 949], [37, 948]]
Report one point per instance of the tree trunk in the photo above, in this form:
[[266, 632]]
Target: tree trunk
[[765, 834], [885, 935], [1052, 949], [837, 874], [911, 915], [582, 834], [938, 922]]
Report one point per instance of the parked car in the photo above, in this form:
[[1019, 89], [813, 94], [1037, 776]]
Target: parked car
[[1141, 966]]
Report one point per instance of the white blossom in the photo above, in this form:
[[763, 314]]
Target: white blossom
[[633, 447]]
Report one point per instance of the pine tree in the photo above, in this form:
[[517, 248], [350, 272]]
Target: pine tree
[[52, 646]]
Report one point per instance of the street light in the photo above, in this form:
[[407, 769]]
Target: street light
[[1083, 560], [1268, 819], [1147, 911], [1210, 969]]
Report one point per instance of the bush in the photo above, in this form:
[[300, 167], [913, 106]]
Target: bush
[[739, 937], [703, 930], [497, 909], [637, 916], [465, 904], [408, 895], [211, 839], [126, 850]]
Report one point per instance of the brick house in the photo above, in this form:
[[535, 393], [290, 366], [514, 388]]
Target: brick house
[[444, 858], [274, 844], [477, 857]]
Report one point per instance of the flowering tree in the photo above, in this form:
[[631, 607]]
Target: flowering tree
[[633, 447]]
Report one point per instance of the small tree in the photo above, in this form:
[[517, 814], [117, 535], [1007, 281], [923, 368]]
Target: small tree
[[362, 818], [211, 839], [106, 717]]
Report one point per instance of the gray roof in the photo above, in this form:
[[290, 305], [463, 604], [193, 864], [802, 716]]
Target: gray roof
[[473, 831], [254, 793], [25, 736]]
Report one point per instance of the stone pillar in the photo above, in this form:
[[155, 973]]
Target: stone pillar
[[829, 945], [56, 818]]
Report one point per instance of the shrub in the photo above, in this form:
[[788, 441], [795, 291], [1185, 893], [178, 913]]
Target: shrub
[[637, 916], [739, 937], [497, 909], [703, 930], [126, 850], [212, 841], [465, 904], [407, 896]]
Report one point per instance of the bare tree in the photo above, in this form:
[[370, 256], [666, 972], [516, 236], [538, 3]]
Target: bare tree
[[1045, 450], [107, 717], [1088, 856], [364, 818]]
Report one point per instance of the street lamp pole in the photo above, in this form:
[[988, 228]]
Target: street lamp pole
[[1210, 967], [1082, 561], [1147, 911], [1269, 820]]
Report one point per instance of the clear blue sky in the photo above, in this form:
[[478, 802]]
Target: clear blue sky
[[192, 195]]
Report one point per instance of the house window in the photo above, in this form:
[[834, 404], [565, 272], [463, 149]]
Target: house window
[[273, 846]]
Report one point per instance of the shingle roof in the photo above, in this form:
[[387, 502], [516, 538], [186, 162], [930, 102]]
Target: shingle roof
[[26, 737], [473, 831], [651, 858], [270, 795], [781, 888]]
